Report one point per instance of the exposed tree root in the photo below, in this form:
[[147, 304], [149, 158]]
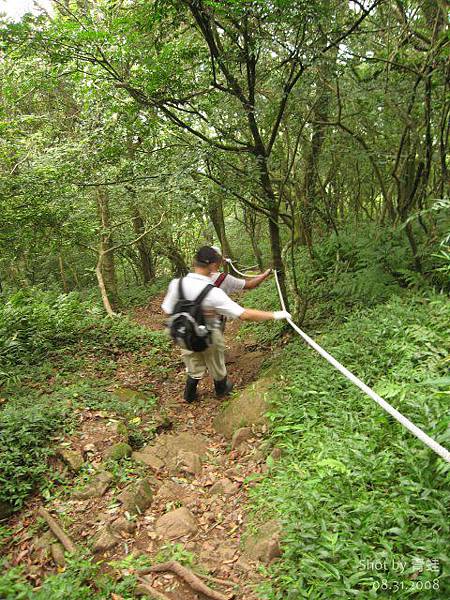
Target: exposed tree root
[[58, 531], [217, 580], [145, 589], [188, 576]]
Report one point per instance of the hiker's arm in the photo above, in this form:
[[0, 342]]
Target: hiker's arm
[[253, 283], [227, 307], [251, 314]]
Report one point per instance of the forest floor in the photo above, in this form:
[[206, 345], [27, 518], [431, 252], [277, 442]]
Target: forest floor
[[204, 502]]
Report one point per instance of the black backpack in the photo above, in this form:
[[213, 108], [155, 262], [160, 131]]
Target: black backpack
[[187, 324]]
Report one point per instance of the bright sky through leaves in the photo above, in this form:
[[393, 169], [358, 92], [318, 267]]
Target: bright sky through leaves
[[15, 9]]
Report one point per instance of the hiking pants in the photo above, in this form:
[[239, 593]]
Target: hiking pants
[[211, 359]]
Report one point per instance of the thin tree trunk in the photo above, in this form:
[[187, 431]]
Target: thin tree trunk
[[145, 255], [75, 276], [180, 267], [101, 284], [252, 227], [148, 270], [106, 257], [63, 274], [256, 250], [274, 223]]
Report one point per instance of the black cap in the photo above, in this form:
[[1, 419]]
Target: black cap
[[207, 256]]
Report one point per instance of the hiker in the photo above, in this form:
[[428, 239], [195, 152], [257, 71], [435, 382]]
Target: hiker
[[195, 306], [230, 284]]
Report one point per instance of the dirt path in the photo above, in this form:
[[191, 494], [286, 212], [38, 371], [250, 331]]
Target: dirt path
[[218, 544], [215, 495]]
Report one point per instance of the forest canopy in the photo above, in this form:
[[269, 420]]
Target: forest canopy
[[131, 131]]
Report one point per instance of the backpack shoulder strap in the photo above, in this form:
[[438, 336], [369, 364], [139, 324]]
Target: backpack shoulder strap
[[180, 289], [205, 291], [218, 282]]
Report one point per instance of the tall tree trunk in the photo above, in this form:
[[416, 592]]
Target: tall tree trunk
[[147, 266], [310, 194], [252, 227], [168, 250], [274, 226], [106, 263], [148, 269], [218, 221]]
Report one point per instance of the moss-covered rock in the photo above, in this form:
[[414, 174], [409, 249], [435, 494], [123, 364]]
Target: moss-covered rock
[[73, 459], [265, 544], [137, 497], [120, 450], [121, 429], [246, 409]]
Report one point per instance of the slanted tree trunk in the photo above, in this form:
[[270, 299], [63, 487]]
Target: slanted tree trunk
[[102, 284], [105, 270]]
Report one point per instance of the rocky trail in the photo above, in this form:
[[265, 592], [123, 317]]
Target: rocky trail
[[183, 496]]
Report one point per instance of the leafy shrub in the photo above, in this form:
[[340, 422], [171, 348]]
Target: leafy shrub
[[139, 295], [13, 585], [361, 267], [264, 297], [29, 422], [124, 335], [33, 322], [44, 334], [353, 486]]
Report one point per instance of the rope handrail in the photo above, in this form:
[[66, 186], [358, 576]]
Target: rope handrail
[[419, 433]]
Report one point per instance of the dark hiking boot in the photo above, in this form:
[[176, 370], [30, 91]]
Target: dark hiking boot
[[224, 387], [190, 391]]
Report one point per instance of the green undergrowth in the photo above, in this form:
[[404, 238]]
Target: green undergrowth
[[46, 328], [33, 424], [82, 579], [264, 297], [363, 502], [131, 296], [58, 357], [358, 269], [85, 579]]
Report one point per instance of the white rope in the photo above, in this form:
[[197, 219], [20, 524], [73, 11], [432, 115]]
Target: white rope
[[423, 437], [230, 262]]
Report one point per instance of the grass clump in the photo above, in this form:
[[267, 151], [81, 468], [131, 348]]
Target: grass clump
[[354, 489], [25, 445]]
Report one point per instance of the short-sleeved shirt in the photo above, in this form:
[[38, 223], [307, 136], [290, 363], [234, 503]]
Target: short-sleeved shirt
[[230, 285], [215, 303]]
